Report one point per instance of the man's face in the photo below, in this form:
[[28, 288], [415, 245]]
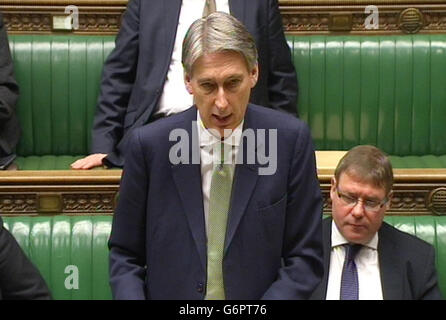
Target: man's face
[[358, 223], [221, 84]]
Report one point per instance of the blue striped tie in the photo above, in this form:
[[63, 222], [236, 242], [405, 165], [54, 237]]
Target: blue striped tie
[[349, 280]]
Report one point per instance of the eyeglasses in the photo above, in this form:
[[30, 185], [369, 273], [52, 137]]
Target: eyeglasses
[[369, 205]]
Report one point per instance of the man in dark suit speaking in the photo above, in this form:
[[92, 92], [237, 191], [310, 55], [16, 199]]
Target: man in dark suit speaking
[[223, 203], [143, 77], [364, 257]]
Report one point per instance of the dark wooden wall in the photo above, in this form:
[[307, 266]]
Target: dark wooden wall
[[299, 16]]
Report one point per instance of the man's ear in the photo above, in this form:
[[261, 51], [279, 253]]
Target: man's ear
[[333, 188], [187, 82], [254, 76], [389, 203]]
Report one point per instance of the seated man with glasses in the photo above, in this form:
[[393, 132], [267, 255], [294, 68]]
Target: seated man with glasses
[[364, 257]]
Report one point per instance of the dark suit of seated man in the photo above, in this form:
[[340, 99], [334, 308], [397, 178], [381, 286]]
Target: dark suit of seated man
[[9, 93], [223, 203], [364, 257], [19, 278]]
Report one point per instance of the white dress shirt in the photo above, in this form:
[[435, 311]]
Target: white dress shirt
[[175, 97], [210, 157], [367, 264]]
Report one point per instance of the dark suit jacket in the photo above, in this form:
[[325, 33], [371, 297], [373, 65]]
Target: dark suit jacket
[[135, 72], [407, 265], [9, 92], [19, 278], [159, 221]]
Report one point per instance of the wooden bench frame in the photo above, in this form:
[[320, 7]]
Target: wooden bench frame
[[416, 191], [59, 192], [299, 16]]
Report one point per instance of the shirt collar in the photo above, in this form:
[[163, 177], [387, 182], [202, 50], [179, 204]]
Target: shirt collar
[[207, 139], [337, 239]]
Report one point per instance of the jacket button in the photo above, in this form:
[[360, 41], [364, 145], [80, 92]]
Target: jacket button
[[200, 287]]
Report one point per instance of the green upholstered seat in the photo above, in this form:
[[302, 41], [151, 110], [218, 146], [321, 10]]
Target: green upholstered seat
[[58, 244], [59, 78], [63, 247], [426, 161], [389, 91]]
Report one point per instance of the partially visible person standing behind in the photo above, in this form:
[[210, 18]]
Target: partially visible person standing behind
[[9, 93], [143, 77], [364, 257]]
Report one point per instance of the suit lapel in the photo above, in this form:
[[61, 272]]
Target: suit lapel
[[237, 9], [391, 274], [187, 179], [321, 291], [245, 179]]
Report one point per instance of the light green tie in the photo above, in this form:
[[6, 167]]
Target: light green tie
[[209, 7], [219, 201]]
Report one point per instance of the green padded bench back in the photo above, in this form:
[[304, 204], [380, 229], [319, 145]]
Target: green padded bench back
[[59, 79], [70, 252], [389, 91], [60, 243]]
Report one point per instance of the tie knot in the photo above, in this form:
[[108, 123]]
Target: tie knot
[[351, 250]]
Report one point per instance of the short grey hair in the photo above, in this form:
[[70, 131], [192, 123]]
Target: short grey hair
[[216, 33]]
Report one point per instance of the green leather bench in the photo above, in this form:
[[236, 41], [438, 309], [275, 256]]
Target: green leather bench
[[383, 90], [72, 254], [59, 78], [388, 91], [70, 251]]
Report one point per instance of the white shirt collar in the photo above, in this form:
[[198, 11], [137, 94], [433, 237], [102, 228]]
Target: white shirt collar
[[207, 139], [337, 239]]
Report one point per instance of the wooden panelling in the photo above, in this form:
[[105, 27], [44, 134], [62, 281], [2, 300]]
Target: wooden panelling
[[34, 16], [299, 16], [53, 192], [415, 192]]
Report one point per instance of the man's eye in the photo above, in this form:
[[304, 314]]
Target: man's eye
[[207, 86], [349, 199], [233, 83], [371, 203]]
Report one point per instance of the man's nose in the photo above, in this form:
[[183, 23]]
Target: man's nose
[[358, 209], [220, 101]]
